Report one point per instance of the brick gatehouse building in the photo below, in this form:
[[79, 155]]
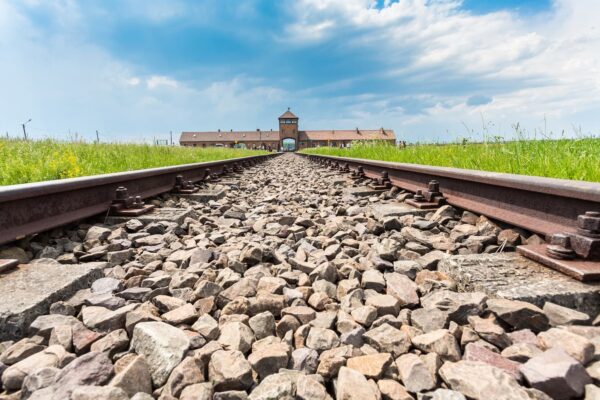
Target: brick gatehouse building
[[288, 137]]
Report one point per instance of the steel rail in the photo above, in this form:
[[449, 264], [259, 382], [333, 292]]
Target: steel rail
[[36, 207], [541, 205]]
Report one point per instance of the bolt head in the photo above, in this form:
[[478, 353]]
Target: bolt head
[[590, 221], [434, 186], [561, 239], [121, 193]]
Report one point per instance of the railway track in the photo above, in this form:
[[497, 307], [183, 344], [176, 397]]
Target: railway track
[[566, 213], [287, 279], [35, 207]]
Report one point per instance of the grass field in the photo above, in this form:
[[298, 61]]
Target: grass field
[[33, 161], [565, 158]]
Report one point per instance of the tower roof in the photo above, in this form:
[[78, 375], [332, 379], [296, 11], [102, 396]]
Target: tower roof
[[288, 114]]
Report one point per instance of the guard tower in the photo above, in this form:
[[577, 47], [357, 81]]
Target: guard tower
[[288, 131]]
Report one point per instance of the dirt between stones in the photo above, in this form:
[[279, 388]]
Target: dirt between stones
[[291, 287]]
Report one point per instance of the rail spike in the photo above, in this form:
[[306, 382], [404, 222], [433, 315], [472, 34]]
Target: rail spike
[[584, 244], [430, 198], [128, 206], [183, 187]]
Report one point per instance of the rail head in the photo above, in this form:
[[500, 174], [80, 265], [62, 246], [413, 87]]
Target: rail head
[[36, 207], [557, 187], [20, 191], [542, 205]]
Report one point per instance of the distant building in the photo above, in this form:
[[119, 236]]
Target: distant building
[[288, 137]]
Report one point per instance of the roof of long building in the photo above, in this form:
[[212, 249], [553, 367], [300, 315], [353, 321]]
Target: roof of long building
[[322, 135], [229, 136]]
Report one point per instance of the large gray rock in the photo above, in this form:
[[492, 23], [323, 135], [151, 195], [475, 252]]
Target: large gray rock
[[277, 386], [88, 370], [387, 339], [198, 391], [352, 385], [442, 394], [557, 374], [98, 393], [429, 320], [384, 304], [392, 390], [490, 330], [519, 314], [575, 345], [105, 320], [480, 381], [29, 291], [559, 315], [189, 372], [459, 306], [97, 232], [269, 359], [236, 336], [19, 351], [371, 365], [322, 339], [402, 288], [162, 345], [305, 359], [514, 277], [309, 388], [135, 377], [477, 352], [107, 285], [54, 356], [40, 379], [441, 342], [262, 324], [229, 370], [207, 326], [415, 374], [592, 392]]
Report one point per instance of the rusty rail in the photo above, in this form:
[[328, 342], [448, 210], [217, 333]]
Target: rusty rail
[[36, 207], [542, 205]]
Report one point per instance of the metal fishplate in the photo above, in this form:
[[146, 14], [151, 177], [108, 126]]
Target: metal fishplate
[[575, 254]]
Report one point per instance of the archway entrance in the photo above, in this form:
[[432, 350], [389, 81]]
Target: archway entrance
[[288, 144]]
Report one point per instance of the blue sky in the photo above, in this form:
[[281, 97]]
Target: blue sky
[[433, 70]]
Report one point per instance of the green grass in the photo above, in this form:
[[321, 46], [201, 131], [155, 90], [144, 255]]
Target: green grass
[[577, 159], [33, 161]]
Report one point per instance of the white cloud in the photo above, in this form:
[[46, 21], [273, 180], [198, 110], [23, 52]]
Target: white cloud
[[437, 66], [544, 66], [134, 81], [156, 11], [159, 81]]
